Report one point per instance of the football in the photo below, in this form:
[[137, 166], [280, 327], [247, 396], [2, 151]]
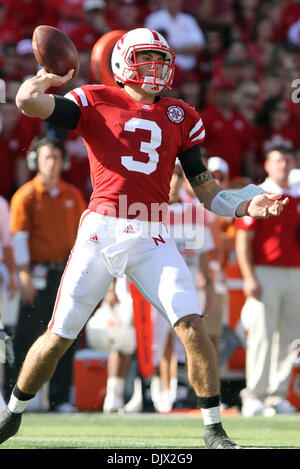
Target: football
[[54, 50]]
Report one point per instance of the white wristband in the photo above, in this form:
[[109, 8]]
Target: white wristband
[[225, 203]]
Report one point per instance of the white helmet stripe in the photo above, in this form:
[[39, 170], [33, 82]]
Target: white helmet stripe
[[155, 35]]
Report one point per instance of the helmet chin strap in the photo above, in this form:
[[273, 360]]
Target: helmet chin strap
[[151, 88]]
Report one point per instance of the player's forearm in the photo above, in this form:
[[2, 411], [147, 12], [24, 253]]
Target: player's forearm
[[205, 188], [217, 200], [32, 98]]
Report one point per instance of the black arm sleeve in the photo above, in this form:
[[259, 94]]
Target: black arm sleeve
[[191, 162], [66, 113]]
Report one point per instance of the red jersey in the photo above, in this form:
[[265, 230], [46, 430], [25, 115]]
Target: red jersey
[[132, 148], [277, 239]]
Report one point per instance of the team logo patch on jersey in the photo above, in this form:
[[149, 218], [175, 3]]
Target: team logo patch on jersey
[[176, 114]]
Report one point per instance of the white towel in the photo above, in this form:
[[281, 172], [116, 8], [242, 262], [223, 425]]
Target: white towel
[[115, 255]]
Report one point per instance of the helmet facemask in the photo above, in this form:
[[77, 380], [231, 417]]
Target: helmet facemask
[[163, 67]]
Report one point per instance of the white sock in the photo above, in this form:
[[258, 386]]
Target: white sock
[[173, 388], [17, 406], [211, 415], [115, 385]]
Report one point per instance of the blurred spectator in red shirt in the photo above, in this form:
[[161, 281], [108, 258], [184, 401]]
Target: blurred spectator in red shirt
[[87, 34], [249, 71], [238, 49], [27, 14], [286, 58], [191, 90], [289, 15], [212, 54], [272, 85], [214, 12], [26, 59], [95, 21], [246, 13], [227, 133], [233, 68], [248, 100], [9, 28], [231, 65], [275, 127], [9, 61], [183, 32], [63, 14], [273, 11], [261, 47], [16, 134], [128, 14]]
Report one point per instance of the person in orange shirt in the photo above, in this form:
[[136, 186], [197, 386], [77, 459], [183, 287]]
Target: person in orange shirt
[[45, 213]]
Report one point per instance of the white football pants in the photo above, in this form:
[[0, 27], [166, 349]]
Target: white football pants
[[108, 247]]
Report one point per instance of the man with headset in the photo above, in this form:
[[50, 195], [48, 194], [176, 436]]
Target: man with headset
[[44, 218]]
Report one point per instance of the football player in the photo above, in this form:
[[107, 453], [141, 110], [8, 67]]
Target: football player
[[133, 136]]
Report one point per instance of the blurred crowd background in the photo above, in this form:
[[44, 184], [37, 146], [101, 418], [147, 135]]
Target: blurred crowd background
[[238, 63]]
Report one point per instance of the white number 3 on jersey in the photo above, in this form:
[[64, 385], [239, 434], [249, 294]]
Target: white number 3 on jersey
[[146, 147]]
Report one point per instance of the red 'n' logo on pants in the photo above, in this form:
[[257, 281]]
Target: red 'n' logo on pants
[[158, 240]]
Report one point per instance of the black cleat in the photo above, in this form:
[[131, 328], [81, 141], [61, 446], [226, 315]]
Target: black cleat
[[215, 437], [9, 424]]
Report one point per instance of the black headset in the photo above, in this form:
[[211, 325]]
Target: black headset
[[32, 155]]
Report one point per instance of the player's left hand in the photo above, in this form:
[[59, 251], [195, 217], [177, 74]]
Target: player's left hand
[[266, 205], [54, 80]]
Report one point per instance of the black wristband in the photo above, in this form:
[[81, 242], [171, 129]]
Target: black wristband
[[66, 113]]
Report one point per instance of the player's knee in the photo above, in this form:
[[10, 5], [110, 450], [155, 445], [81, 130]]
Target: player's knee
[[190, 329]]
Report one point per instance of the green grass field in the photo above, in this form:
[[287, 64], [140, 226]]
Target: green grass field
[[151, 431]]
